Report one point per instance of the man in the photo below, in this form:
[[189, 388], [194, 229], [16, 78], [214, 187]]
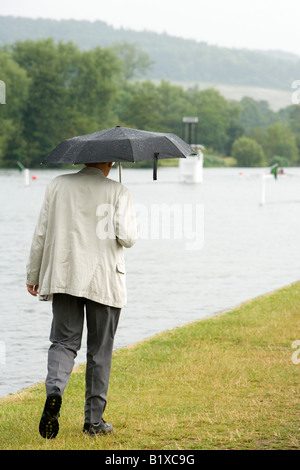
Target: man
[[77, 259]]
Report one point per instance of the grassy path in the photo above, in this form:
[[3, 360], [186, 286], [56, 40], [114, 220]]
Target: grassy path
[[228, 382]]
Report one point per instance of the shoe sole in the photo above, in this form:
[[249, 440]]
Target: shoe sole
[[99, 433], [93, 433], [49, 426]]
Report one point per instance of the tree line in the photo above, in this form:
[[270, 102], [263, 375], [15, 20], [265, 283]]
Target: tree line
[[174, 58], [55, 91]]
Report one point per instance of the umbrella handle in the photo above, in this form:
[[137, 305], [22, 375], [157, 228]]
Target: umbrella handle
[[155, 166], [120, 172]]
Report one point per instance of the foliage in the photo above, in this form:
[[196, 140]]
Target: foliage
[[17, 83], [69, 92], [278, 139], [216, 117], [247, 152], [292, 120], [256, 114], [281, 161], [212, 160], [135, 62]]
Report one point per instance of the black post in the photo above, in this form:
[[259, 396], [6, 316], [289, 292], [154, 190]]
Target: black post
[[155, 166], [190, 132], [190, 124]]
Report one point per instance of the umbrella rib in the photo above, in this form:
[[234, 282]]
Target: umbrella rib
[[175, 146], [131, 150]]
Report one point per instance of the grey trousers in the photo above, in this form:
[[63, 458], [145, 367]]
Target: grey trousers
[[66, 335]]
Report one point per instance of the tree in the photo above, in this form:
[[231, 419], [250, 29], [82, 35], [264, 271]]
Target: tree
[[279, 140], [144, 110], [256, 114], [234, 128], [281, 161], [71, 92], [95, 87], [213, 112], [135, 62], [175, 104], [247, 152], [294, 123], [46, 115], [12, 142]]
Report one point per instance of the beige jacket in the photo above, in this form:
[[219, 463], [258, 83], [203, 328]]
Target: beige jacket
[[77, 247]]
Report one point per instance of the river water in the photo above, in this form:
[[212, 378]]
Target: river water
[[243, 250]]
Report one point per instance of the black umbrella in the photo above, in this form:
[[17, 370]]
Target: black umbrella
[[120, 144]]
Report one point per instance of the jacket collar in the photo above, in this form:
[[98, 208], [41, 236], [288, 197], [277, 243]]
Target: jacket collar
[[92, 170]]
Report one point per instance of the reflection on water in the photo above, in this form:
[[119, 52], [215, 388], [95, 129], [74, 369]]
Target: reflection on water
[[248, 250]]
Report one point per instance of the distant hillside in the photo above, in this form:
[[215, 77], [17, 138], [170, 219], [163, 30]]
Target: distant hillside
[[175, 59], [277, 99]]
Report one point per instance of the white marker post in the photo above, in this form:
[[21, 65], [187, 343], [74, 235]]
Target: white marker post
[[26, 173], [26, 177], [263, 190]]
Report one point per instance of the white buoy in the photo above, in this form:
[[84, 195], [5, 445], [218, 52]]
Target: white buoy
[[26, 177], [191, 168]]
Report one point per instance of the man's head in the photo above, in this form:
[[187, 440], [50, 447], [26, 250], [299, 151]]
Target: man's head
[[104, 166]]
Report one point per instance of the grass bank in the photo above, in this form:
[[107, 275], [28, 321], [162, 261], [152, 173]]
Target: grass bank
[[227, 382]]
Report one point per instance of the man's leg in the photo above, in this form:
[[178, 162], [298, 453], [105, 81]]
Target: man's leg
[[66, 333], [102, 322]]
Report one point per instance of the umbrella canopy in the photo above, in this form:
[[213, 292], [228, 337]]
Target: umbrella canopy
[[120, 144]]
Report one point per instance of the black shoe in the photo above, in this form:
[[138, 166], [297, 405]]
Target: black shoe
[[99, 428], [49, 426]]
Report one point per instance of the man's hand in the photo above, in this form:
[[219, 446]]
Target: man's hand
[[33, 290]]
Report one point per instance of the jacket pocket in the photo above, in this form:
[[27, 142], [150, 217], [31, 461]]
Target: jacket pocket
[[120, 268]]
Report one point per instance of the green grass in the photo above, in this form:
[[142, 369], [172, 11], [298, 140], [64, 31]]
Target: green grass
[[227, 382]]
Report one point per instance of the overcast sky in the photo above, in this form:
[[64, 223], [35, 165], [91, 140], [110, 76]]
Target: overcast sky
[[251, 24]]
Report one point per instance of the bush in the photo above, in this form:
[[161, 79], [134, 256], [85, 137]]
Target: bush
[[281, 161], [247, 152]]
